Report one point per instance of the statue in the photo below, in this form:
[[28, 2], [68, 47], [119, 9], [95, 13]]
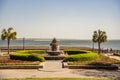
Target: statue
[[54, 45]]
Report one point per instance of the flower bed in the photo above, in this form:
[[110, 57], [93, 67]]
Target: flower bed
[[6, 61]]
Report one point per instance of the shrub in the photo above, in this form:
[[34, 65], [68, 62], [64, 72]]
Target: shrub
[[28, 55], [79, 56], [101, 61], [31, 51], [36, 58], [71, 52]]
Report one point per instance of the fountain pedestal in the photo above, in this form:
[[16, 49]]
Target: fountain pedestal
[[54, 53]]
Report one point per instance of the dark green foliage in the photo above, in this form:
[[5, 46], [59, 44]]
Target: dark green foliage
[[70, 52], [36, 57], [81, 55], [29, 55]]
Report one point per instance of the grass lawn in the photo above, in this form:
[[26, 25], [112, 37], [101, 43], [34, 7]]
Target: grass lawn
[[59, 79]]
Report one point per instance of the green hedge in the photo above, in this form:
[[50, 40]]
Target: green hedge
[[79, 56], [71, 52], [31, 51], [29, 55]]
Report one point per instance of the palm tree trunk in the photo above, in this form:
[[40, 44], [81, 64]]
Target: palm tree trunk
[[8, 46], [99, 47]]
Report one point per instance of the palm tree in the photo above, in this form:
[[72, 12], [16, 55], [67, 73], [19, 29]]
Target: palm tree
[[99, 37], [8, 35]]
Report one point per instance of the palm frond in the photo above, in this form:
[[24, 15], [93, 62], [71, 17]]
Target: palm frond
[[3, 37], [10, 29]]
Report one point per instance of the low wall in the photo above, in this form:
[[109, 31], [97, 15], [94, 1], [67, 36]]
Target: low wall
[[22, 66], [112, 67]]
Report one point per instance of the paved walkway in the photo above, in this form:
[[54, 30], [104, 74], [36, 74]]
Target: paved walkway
[[112, 56], [54, 69], [52, 65], [51, 68]]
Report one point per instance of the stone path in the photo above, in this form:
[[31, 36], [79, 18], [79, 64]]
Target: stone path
[[51, 68], [114, 57], [52, 65], [54, 69]]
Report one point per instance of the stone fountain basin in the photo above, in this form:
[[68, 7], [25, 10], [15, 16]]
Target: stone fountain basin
[[53, 53]]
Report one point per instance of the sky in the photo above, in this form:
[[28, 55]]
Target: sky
[[63, 19]]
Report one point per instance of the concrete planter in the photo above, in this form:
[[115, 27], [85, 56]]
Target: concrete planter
[[112, 67]]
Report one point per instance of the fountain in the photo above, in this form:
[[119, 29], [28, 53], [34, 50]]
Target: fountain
[[54, 48], [54, 52]]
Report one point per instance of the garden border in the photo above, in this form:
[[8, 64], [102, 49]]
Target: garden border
[[22, 66], [112, 67]]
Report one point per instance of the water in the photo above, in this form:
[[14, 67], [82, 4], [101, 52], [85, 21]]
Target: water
[[114, 44]]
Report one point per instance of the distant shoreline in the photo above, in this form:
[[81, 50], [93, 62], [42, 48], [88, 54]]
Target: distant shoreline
[[15, 48], [114, 44]]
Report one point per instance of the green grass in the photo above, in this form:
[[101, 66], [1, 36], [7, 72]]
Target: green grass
[[60, 79]]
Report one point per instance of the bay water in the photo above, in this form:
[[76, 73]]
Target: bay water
[[114, 44]]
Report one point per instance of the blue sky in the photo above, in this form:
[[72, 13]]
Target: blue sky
[[69, 19]]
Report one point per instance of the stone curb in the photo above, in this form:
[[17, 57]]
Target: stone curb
[[112, 67], [22, 66]]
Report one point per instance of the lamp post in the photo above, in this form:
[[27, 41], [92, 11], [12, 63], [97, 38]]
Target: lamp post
[[23, 43], [93, 46]]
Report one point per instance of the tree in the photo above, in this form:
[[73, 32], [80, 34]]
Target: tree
[[8, 35], [99, 37]]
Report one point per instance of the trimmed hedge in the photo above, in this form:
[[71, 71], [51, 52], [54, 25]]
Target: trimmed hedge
[[80, 55], [31, 51], [71, 52], [29, 55]]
